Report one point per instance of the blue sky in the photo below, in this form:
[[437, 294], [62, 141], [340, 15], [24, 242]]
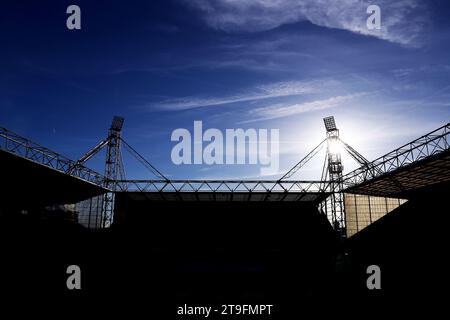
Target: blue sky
[[232, 64]]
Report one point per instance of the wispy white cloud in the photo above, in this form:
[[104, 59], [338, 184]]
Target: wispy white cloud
[[282, 110], [407, 72], [275, 90], [403, 21]]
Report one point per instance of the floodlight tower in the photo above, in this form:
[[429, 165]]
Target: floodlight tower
[[113, 169], [334, 208]]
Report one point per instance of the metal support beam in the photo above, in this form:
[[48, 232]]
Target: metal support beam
[[15, 144], [113, 169], [302, 162], [230, 186], [431, 144], [336, 214]]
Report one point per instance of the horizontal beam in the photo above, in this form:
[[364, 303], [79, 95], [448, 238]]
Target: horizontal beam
[[224, 186]]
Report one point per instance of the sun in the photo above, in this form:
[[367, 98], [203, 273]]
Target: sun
[[335, 146]]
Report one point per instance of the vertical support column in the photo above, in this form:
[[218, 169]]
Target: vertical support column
[[335, 169], [112, 170]]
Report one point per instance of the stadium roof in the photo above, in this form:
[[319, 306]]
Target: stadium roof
[[420, 164], [28, 184], [405, 181], [227, 190]]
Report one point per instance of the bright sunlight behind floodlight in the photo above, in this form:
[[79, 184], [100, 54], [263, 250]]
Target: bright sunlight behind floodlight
[[330, 124], [335, 146]]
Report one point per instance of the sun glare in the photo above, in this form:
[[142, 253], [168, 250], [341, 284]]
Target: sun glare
[[335, 146]]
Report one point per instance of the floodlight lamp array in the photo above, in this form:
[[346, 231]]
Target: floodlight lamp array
[[330, 124]]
